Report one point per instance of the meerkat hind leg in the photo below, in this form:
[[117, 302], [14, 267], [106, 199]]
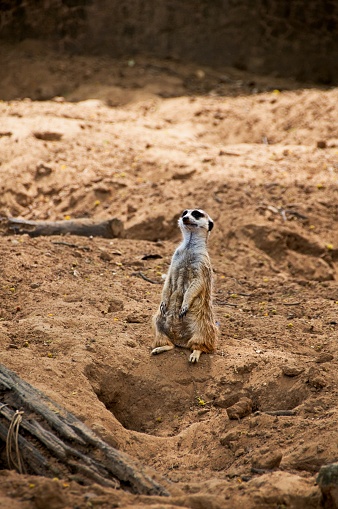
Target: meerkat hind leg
[[161, 349], [194, 357]]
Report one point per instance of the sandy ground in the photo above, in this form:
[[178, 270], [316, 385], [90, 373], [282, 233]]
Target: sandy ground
[[141, 141]]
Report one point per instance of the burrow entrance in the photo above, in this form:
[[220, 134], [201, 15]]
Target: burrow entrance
[[144, 401], [147, 400]]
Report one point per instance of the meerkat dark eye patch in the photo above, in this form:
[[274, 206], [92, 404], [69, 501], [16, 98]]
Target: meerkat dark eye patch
[[211, 225], [197, 214], [184, 213]]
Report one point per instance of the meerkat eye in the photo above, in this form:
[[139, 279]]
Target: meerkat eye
[[197, 214], [184, 213]]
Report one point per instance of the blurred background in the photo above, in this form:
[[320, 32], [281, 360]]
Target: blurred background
[[296, 39]]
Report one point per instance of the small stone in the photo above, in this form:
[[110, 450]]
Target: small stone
[[105, 256], [134, 318], [226, 400], [43, 170], [183, 176], [200, 74], [291, 370], [327, 480], [321, 144], [267, 461], [240, 409], [316, 378], [115, 305], [48, 135], [239, 452], [324, 357], [131, 343], [58, 99], [231, 436]]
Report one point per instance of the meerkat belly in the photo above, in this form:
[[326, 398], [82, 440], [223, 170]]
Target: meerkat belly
[[180, 329]]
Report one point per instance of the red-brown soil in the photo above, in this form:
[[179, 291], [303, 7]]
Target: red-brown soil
[[142, 141]]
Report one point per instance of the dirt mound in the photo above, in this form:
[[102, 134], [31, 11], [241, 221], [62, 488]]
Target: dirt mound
[[247, 426]]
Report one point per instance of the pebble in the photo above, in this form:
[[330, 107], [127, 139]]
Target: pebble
[[240, 409], [48, 135], [105, 256], [267, 461], [324, 357], [183, 175], [327, 480], [115, 305], [316, 378], [231, 436], [291, 370]]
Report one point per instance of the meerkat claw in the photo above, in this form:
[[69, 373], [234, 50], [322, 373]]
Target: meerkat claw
[[163, 308], [194, 357], [183, 312]]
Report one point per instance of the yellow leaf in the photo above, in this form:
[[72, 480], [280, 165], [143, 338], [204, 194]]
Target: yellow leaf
[[200, 401]]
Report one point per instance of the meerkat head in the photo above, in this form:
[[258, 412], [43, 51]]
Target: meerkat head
[[195, 220]]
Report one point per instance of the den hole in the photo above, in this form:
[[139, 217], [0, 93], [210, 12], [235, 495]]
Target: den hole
[[283, 394], [149, 403], [143, 402]]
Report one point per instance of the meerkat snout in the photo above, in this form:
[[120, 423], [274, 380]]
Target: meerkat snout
[[195, 218]]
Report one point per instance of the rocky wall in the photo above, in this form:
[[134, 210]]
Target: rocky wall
[[293, 39]]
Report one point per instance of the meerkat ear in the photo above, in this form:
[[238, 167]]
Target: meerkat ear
[[211, 225]]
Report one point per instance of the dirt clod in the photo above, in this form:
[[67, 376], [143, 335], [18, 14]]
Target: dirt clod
[[240, 409], [292, 370], [267, 461]]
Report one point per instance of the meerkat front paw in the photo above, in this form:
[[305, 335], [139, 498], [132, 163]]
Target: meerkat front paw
[[184, 311], [163, 308], [194, 357]]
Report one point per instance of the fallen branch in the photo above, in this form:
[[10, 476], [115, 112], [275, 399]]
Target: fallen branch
[[278, 413], [140, 274], [69, 244], [226, 303], [111, 228], [48, 440]]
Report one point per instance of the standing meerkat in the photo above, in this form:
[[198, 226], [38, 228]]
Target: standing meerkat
[[185, 316]]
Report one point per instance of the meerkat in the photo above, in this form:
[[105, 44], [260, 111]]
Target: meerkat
[[185, 316]]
